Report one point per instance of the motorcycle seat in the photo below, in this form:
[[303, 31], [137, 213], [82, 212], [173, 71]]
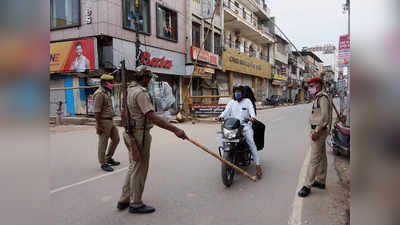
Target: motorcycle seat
[[343, 129]]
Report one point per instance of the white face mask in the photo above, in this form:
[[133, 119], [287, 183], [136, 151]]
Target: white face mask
[[313, 90]]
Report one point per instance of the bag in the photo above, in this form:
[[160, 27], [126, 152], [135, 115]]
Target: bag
[[259, 134], [161, 95]]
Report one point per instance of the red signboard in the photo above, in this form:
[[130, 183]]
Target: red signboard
[[72, 56], [204, 56], [344, 42]]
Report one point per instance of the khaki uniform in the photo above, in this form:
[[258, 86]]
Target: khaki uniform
[[320, 121], [103, 105], [138, 104]]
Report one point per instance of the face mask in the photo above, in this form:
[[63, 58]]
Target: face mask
[[313, 90], [238, 96], [109, 85]]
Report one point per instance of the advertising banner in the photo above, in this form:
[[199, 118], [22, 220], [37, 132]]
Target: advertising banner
[[72, 56], [209, 109], [344, 51]]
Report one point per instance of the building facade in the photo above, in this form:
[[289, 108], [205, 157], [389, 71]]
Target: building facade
[[248, 45], [106, 33]]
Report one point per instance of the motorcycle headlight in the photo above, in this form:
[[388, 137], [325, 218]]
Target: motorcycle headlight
[[230, 134]]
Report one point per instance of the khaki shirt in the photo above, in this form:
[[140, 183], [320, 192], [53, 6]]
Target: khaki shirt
[[139, 104], [321, 111], [103, 103]]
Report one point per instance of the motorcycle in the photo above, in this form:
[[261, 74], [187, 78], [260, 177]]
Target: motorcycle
[[340, 139], [234, 149]]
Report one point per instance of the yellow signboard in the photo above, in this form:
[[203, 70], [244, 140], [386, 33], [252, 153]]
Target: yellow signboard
[[280, 77], [236, 61]]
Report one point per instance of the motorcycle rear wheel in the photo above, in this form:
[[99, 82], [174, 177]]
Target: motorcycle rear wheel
[[227, 172]]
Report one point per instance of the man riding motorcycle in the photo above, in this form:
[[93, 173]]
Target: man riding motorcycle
[[243, 109]]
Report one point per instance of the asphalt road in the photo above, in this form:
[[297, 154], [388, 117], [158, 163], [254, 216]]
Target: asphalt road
[[184, 183]]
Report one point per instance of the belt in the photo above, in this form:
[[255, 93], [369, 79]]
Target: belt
[[107, 118], [315, 126]]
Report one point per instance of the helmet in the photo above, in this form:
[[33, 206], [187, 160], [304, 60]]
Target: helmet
[[143, 70]]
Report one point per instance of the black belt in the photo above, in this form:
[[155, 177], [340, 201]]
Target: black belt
[[108, 118], [315, 126]]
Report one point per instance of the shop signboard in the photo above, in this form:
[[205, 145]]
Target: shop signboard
[[235, 61], [206, 109], [280, 77], [203, 56], [159, 60], [73, 56], [203, 72]]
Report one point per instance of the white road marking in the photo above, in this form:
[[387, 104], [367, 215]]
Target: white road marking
[[297, 207], [86, 181]]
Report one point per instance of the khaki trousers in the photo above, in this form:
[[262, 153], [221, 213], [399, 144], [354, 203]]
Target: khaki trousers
[[109, 131], [135, 180], [317, 168]]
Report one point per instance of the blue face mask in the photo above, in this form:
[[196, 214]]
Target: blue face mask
[[238, 96]]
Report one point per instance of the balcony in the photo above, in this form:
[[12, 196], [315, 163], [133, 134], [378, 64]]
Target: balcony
[[236, 20]]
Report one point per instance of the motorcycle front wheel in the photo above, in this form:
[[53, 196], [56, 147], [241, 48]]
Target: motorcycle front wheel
[[227, 172]]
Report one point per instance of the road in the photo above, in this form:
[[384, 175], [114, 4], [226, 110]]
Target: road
[[184, 183]]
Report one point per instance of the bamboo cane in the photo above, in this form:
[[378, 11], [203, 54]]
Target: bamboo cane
[[223, 160]]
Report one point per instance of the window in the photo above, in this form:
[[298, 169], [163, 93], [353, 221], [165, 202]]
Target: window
[[64, 13], [237, 44], [130, 14], [196, 34], [167, 23], [217, 44], [208, 40]]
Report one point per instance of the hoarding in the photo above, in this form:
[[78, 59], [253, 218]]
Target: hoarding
[[73, 56]]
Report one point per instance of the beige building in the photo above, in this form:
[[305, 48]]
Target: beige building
[[248, 45]]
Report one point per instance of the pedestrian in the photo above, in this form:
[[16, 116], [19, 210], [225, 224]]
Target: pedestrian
[[105, 127], [142, 114], [320, 122]]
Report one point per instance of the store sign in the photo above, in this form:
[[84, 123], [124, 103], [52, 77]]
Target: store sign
[[203, 72], [159, 60], [209, 109], [280, 77], [146, 59], [203, 56], [72, 56], [235, 61]]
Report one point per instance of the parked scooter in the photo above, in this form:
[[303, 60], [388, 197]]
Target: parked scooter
[[340, 139]]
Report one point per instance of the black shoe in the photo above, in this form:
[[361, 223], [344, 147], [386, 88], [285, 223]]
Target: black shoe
[[141, 209], [107, 168], [304, 192], [122, 205], [318, 185], [112, 162]]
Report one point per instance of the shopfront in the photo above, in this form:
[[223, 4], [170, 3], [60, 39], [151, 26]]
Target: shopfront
[[168, 65], [70, 62], [245, 70]]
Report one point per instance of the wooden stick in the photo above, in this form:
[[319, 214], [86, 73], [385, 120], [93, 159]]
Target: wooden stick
[[223, 160]]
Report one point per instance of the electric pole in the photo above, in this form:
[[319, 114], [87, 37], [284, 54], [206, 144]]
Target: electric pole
[[137, 43]]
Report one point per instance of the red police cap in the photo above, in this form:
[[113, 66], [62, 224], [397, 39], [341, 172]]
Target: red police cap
[[315, 80]]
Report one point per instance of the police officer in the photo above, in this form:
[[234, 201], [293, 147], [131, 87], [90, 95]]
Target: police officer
[[105, 127], [142, 113], [320, 122]]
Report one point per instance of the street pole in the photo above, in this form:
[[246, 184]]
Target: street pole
[[348, 71], [137, 42]]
